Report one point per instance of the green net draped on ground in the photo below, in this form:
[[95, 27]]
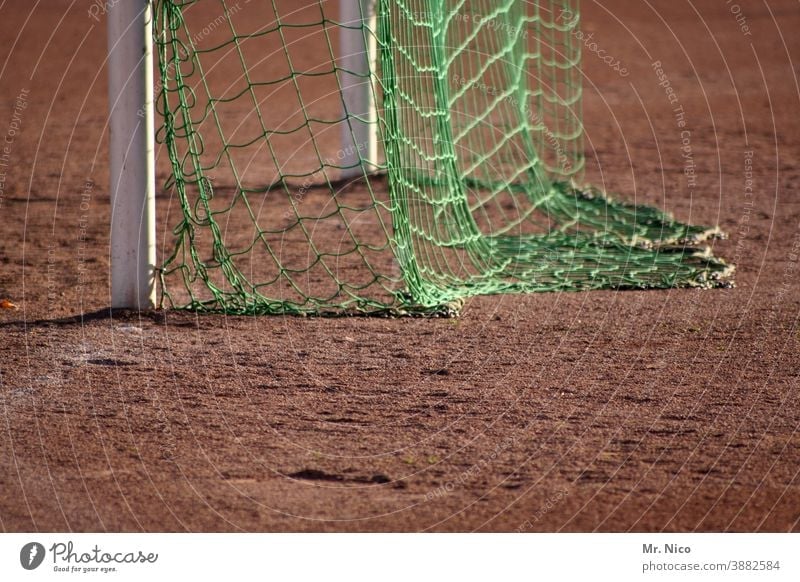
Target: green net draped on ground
[[475, 190]]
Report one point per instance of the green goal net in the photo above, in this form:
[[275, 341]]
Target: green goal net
[[476, 188]]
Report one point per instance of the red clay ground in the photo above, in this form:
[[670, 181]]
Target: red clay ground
[[612, 411]]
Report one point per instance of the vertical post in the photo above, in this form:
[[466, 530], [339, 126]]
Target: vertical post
[[358, 56], [131, 154]]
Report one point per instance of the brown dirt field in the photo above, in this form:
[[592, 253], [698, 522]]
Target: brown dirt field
[[602, 411]]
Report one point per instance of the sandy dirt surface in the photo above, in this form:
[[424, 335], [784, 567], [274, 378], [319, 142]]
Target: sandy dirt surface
[[604, 411]]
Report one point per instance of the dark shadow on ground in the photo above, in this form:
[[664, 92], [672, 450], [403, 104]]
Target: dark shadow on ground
[[156, 315]]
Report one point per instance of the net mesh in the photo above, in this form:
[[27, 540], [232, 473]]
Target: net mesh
[[475, 189]]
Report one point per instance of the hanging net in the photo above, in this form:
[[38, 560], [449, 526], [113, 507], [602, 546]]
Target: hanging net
[[476, 187]]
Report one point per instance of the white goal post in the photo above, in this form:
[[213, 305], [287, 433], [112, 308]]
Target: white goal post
[[132, 131], [131, 154], [359, 55]]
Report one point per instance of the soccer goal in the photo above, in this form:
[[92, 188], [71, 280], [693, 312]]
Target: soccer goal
[[365, 156]]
